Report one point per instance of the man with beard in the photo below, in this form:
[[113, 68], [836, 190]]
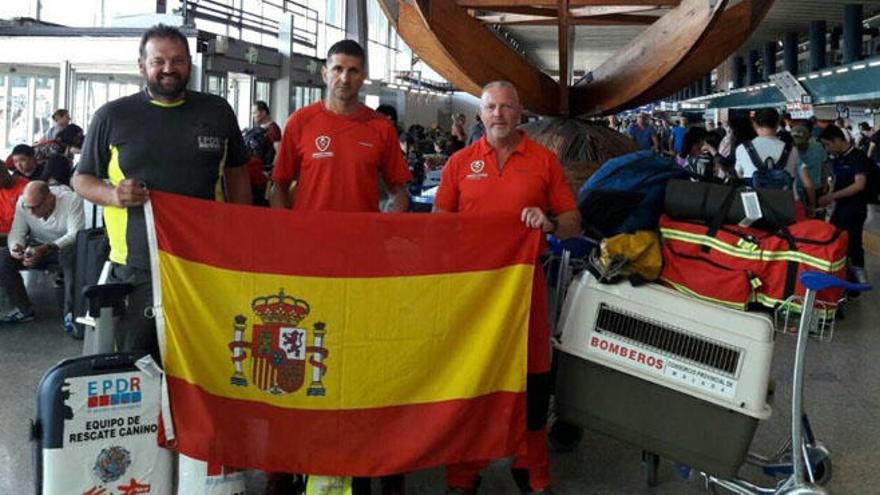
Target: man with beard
[[163, 138], [506, 172]]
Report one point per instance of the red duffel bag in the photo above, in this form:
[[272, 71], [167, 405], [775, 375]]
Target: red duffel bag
[[699, 277], [700, 259]]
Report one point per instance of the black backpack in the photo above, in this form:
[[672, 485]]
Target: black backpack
[[256, 141], [769, 174]]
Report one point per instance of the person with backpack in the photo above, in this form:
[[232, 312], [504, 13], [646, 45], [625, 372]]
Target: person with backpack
[[766, 161], [262, 142], [855, 185], [696, 157]]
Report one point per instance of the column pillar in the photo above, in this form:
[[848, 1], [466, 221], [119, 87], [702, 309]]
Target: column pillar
[[790, 52], [817, 45], [852, 33]]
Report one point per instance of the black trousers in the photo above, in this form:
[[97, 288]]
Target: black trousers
[[10, 278], [136, 330], [852, 220]]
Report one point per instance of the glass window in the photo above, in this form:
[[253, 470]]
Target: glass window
[[17, 8], [216, 85], [92, 92], [44, 106], [264, 92], [377, 22], [335, 13], [26, 106], [332, 35], [379, 56]]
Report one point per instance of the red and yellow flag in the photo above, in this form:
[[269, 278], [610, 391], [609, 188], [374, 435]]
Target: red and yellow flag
[[342, 343]]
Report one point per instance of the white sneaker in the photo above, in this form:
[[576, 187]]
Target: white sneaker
[[860, 274], [17, 316]]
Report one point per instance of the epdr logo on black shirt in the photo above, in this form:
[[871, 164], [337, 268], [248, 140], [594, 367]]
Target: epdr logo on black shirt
[[210, 143]]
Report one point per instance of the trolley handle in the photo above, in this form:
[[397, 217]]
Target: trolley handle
[[820, 281]]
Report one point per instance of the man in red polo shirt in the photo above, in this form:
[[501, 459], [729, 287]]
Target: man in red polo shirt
[[506, 172], [335, 150]]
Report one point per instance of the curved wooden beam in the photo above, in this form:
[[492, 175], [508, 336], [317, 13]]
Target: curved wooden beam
[[445, 36], [494, 4], [646, 60], [602, 20], [733, 28]]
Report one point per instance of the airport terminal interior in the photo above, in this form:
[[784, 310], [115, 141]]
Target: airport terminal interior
[[598, 81]]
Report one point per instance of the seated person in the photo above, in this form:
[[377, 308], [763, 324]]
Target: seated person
[[70, 140], [43, 235], [57, 171], [25, 162], [61, 118], [11, 187]]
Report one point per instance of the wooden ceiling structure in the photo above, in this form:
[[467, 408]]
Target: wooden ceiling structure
[[679, 42]]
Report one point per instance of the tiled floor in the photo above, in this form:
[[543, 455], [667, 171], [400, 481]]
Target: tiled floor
[[842, 397]]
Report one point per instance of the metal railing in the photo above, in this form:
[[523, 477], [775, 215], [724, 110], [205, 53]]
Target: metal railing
[[305, 29]]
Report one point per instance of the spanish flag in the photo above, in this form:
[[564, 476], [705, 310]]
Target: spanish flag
[[341, 343]]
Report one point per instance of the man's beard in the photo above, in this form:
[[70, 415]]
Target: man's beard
[[169, 91]]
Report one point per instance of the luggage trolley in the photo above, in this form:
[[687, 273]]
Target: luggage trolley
[[685, 379], [811, 466]]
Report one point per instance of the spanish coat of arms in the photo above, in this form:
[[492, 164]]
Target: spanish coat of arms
[[279, 347]]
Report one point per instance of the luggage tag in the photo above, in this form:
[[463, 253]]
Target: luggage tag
[[752, 208]]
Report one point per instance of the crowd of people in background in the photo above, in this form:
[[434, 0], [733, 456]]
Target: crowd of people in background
[[40, 216], [824, 162]]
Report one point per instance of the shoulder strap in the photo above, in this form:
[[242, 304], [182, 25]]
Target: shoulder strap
[[716, 222], [783, 158], [753, 155], [791, 269]]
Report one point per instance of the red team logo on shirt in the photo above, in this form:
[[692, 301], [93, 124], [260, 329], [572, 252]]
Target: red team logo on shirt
[[322, 143]]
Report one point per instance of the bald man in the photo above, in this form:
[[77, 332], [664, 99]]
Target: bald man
[[505, 172], [43, 235]]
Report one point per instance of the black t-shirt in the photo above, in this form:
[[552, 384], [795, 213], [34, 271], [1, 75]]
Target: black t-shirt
[[180, 148], [845, 167]]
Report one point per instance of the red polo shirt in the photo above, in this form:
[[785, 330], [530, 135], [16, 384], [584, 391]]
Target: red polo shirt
[[532, 176], [336, 159], [473, 183], [8, 198]]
